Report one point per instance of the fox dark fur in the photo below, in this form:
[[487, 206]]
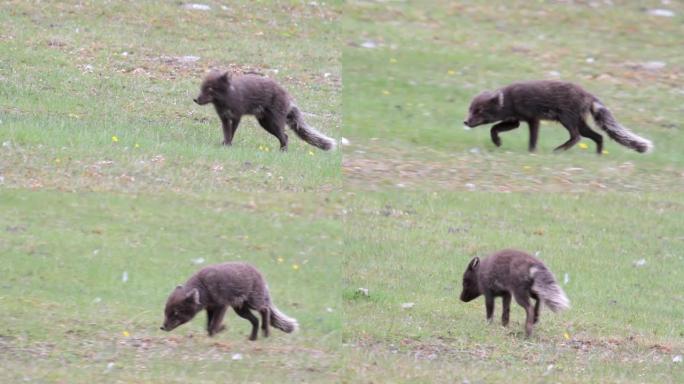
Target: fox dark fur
[[510, 273], [236, 96], [566, 103], [217, 287]]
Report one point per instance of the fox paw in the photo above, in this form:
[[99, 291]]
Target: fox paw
[[217, 330]]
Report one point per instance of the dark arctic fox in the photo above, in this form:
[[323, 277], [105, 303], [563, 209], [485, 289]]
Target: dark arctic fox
[[567, 103], [249, 94], [513, 273], [217, 287]]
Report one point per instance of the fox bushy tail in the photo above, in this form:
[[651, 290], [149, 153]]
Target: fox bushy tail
[[545, 286], [308, 133], [282, 321], [617, 132]]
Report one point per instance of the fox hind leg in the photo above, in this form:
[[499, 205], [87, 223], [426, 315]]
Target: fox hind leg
[[265, 320], [245, 313], [571, 124], [276, 127], [586, 131], [522, 297]]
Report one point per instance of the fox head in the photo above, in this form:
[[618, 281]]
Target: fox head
[[485, 108], [214, 86], [181, 306], [471, 289]]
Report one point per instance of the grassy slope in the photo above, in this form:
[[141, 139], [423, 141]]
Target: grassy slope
[[75, 74], [99, 70], [68, 313], [404, 100], [624, 325]]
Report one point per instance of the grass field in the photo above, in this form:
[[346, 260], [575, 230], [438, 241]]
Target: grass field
[[107, 168], [411, 68], [102, 95], [625, 324], [69, 315]]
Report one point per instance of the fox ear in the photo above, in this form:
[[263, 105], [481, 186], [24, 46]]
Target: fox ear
[[225, 77], [193, 296], [474, 263], [497, 98]]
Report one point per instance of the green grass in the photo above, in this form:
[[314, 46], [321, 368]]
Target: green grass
[[69, 85], [625, 324], [404, 100], [107, 166], [68, 313]]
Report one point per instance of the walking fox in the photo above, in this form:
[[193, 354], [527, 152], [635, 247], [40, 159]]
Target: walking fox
[[513, 273], [217, 287], [249, 94], [567, 103]]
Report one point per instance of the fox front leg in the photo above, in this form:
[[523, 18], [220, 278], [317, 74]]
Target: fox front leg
[[502, 127], [214, 320], [489, 306]]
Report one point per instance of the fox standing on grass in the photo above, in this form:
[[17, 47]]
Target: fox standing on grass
[[236, 96], [217, 287], [567, 103], [513, 273]]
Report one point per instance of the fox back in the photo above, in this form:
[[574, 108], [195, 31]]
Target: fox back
[[232, 284], [513, 274]]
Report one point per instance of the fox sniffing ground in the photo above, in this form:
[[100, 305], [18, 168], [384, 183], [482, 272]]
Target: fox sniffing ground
[[510, 273], [249, 94], [566, 103], [217, 287]]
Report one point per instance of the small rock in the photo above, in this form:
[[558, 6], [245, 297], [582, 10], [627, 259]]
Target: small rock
[[553, 73], [590, 60], [110, 365], [370, 44], [653, 65], [363, 291], [677, 359], [236, 356], [329, 310], [124, 276], [188, 59], [199, 260], [566, 278], [470, 186], [345, 142], [661, 12], [640, 263], [407, 305], [474, 150], [97, 300], [197, 7]]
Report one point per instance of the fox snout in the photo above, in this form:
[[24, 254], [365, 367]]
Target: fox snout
[[202, 99]]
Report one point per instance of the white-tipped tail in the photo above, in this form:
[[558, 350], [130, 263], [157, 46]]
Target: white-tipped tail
[[617, 132], [282, 321], [308, 133], [545, 286]]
